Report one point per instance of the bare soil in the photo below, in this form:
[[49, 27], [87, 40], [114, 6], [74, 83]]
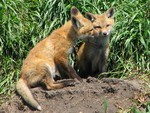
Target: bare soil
[[85, 97]]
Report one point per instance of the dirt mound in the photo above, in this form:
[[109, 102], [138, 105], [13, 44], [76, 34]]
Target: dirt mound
[[86, 97]]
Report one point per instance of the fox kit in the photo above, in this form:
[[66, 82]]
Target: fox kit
[[93, 54], [49, 57]]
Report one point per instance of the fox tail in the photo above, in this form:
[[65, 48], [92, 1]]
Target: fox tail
[[26, 94]]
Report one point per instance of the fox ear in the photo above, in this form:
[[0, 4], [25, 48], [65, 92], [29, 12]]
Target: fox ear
[[74, 11], [110, 13], [74, 17], [75, 22], [90, 16]]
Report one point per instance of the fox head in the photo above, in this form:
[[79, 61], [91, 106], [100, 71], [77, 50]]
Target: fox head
[[103, 23], [82, 26]]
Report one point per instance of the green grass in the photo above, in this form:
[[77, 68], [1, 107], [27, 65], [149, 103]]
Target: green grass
[[105, 105], [23, 23], [130, 44]]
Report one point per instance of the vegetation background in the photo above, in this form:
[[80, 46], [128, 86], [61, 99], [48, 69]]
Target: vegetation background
[[23, 23]]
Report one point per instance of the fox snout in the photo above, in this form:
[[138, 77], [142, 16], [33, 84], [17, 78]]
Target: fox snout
[[105, 33], [95, 33], [92, 34]]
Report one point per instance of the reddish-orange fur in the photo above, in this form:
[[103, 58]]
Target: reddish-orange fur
[[49, 57], [93, 54]]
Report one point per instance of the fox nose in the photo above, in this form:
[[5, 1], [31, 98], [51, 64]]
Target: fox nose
[[104, 33]]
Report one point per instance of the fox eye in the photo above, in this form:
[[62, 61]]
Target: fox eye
[[97, 27], [91, 29], [107, 25]]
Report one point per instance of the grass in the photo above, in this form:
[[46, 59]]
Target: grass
[[105, 105], [131, 40], [23, 23]]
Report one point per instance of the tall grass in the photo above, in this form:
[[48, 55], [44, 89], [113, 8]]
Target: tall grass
[[23, 23], [130, 43]]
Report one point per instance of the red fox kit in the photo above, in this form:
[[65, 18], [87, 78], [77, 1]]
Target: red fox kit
[[93, 54], [49, 57]]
